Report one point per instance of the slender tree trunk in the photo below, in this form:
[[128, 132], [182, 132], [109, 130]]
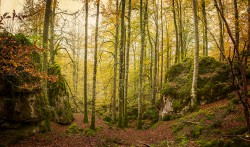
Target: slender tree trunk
[[221, 35], [205, 39], [52, 23], [162, 46], [151, 60], [142, 32], [74, 68], [92, 125], [177, 50], [121, 70], [115, 61], [179, 4], [85, 74], [196, 58], [237, 32], [78, 59], [168, 48], [156, 50], [127, 65], [45, 60]]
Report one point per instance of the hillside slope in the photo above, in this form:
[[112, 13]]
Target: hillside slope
[[215, 124]]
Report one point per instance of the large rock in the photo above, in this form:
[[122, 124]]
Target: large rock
[[213, 84], [18, 109], [62, 112]]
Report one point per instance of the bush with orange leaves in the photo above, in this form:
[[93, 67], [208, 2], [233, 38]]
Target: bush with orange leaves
[[20, 65]]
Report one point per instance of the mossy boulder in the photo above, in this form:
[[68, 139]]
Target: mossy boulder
[[59, 97], [213, 84]]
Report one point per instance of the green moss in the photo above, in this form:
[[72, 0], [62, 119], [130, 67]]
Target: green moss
[[176, 105], [74, 129], [213, 82], [177, 127], [90, 132], [196, 131]]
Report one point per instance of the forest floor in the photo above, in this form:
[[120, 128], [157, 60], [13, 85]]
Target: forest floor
[[163, 133], [105, 135]]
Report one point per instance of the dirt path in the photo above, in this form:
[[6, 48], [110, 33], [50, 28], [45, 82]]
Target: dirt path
[[106, 136]]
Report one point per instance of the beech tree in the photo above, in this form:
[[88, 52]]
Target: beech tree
[[196, 57], [121, 67], [85, 95], [45, 57], [92, 125]]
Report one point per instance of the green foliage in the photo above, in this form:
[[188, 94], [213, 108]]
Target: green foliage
[[90, 132], [177, 127], [151, 113], [196, 131], [22, 39], [74, 129], [213, 82], [170, 117], [56, 88]]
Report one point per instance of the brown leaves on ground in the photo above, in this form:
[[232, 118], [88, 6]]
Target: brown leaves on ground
[[104, 137]]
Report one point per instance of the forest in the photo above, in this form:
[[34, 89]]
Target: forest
[[154, 73]]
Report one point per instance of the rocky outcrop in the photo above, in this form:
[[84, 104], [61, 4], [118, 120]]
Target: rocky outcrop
[[213, 84], [18, 109], [62, 112]]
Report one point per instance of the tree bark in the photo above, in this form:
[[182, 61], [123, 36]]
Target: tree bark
[[179, 4], [92, 125], [221, 34], [177, 49], [162, 46], [85, 74], [196, 58], [115, 61], [156, 50], [142, 32], [52, 25], [127, 65], [205, 39], [45, 60], [237, 32], [121, 70]]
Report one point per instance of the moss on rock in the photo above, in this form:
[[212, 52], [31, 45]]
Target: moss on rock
[[213, 82]]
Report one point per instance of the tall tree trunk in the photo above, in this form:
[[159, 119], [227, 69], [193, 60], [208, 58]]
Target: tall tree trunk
[[168, 59], [237, 32], [151, 59], [52, 23], [179, 4], [142, 32], [78, 59], [127, 65], [121, 65], [85, 74], [196, 58], [74, 68], [205, 39], [221, 34], [177, 49], [115, 61], [92, 125], [156, 50], [45, 60], [162, 46]]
